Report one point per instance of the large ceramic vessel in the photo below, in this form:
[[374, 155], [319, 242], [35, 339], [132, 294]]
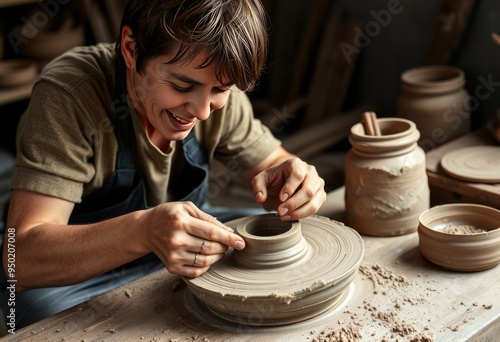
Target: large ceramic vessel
[[435, 99], [386, 187]]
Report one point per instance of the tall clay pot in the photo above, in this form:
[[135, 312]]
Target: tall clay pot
[[386, 187], [435, 99]]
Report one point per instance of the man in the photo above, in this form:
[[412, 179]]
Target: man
[[114, 152]]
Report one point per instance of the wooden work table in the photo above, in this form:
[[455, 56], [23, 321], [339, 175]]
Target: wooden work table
[[397, 295]]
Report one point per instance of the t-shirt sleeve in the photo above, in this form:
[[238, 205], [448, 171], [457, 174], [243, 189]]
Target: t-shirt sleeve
[[54, 151], [245, 140]]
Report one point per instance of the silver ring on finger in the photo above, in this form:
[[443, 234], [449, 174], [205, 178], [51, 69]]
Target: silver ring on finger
[[196, 259]]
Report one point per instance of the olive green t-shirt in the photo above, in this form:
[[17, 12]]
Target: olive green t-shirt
[[66, 146]]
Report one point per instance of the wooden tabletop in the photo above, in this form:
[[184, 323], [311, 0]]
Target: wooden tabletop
[[397, 295]]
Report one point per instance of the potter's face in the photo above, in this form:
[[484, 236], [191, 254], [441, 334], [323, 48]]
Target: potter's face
[[171, 98]]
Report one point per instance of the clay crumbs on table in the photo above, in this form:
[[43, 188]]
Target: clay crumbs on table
[[383, 279], [344, 334]]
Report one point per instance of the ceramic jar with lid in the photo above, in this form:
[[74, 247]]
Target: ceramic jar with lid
[[386, 187], [435, 98]]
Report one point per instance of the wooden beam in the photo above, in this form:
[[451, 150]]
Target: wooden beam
[[342, 70], [315, 20], [318, 91], [450, 23]]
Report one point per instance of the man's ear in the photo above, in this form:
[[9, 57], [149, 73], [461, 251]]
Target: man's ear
[[128, 47]]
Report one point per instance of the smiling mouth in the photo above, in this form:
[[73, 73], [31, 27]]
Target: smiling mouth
[[180, 120]]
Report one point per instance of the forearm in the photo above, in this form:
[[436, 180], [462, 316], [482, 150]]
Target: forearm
[[56, 254]]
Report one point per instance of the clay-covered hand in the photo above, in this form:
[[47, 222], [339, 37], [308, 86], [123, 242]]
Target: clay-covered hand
[[293, 188], [187, 239]]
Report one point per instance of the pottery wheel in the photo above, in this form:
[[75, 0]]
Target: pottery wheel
[[475, 163], [288, 271]]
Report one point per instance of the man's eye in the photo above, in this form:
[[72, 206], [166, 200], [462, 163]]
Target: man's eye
[[220, 90], [182, 89]]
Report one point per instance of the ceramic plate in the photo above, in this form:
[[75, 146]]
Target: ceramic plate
[[475, 164]]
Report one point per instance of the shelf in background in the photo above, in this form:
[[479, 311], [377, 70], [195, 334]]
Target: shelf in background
[[9, 95], [9, 3]]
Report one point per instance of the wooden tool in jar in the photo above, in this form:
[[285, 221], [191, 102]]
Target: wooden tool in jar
[[370, 124]]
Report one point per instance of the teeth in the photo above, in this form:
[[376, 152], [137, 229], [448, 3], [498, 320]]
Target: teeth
[[179, 119]]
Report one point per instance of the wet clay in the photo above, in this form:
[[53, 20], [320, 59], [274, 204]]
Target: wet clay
[[287, 273]]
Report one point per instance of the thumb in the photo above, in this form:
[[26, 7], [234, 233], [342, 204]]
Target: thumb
[[259, 186]]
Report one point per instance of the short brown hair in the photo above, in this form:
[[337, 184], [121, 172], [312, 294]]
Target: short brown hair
[[234, 32]]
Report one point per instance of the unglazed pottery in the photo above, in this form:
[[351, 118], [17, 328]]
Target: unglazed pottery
[[473, 163], [460, 252], [386, 187], [17, 72], [287, 273], [435, 98]]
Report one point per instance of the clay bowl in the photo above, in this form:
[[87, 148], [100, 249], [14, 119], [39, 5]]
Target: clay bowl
[[460, 236], [17, 72]]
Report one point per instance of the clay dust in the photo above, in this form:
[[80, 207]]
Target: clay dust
[[384, 280], [463, 229]]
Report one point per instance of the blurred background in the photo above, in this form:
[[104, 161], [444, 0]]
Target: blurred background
[[329, 60]]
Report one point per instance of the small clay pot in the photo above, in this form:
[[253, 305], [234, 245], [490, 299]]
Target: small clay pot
[[435, 99], [466, 251]]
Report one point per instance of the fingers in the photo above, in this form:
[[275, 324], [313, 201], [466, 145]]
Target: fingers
[[189, 240], [201, 260], [296, 187], [307, 198], [301, 205], [209, 229], [193, 264], [196, 212], [200, 246], [214, 234], [259, 186]]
